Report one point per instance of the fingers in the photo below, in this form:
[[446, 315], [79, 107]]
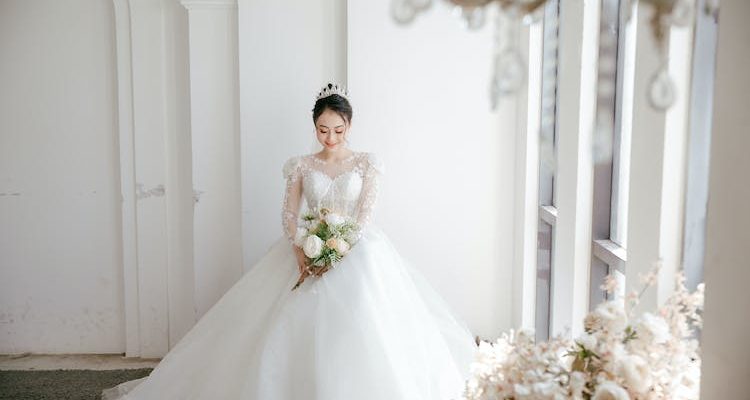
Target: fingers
[[308, 270]]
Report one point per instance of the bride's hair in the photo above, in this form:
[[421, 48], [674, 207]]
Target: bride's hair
[[335, 103]]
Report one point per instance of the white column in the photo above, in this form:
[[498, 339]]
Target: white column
[[127, 175], [155, 183], [526, 215], [214, 120], [657, 162], [142, 153], [579, 45]]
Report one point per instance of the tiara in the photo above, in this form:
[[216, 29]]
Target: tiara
[[332, 88]]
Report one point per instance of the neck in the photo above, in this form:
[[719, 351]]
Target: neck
[[332, 155]]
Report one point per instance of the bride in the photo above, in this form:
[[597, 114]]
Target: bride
[[371, 328]]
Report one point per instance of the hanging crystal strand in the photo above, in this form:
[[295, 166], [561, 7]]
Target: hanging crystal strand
[[682, 13], [404, 11], [420, 5], [712, 8], [473, 17], [606, 103], [661, 90], [547, 157], [508, 72]]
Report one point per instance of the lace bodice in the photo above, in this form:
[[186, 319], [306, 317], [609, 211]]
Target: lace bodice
[[348, 187]]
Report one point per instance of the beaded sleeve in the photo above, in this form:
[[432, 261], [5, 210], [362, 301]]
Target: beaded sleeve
[[373, 170], [292, 197]]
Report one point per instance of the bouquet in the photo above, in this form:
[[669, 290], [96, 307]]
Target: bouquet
[[618, 357], [325, 237]]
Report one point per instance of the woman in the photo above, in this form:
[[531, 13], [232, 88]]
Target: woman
[[371, 328]]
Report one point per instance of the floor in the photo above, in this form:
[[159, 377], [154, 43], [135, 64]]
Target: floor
[[31, 362], [66, 376]]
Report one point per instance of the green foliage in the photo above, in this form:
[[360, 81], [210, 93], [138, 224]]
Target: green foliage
[[325, 231], [583, 358], [630, 334], [326, 257]]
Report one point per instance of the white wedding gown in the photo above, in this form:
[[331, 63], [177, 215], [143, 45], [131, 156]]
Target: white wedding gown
[[370, 329]]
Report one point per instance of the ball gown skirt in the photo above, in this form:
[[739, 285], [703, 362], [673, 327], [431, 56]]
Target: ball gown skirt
[[370, 329]]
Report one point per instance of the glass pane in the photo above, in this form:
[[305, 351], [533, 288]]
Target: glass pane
[[547, 161], [543, 279], [623, 129], [548, 121]]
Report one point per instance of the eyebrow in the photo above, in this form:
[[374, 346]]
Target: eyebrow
[[334, 126]]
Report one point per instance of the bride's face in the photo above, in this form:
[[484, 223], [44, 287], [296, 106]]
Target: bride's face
[[331, 129]]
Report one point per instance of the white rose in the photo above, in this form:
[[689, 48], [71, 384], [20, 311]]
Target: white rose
[[577, 384], [612, 352], [341, 246], [612, 315], [545, 389], [334, 219], [635, 371], [313, 246], [652, 329], [522, 390], [608, 390], [588, 341], [299, 238], [525, 336]]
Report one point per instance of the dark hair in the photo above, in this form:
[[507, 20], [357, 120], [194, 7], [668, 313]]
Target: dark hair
[[335, 103]]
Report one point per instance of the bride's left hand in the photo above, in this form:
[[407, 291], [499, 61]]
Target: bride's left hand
[[321, 271]]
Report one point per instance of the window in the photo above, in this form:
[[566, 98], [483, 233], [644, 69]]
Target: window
[[547, 209], [611, 153], [624, 211]]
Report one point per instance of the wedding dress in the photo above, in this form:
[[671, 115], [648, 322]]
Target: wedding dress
[[371, 328]]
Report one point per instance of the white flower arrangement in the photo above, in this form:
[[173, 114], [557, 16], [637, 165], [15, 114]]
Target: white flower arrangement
[[325, 237], [618, 357]]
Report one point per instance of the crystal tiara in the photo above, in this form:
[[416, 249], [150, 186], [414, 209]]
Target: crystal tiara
[[332, 88]]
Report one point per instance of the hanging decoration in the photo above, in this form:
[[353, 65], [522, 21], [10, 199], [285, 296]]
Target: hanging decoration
[[509, 66], [662, 92]]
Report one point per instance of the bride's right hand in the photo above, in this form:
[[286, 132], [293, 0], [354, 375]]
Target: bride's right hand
[[301, 259]]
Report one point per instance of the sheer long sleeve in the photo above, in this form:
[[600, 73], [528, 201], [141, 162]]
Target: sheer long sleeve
[[292, 198], [373, 171]]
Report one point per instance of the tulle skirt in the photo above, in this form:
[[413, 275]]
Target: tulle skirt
[[370, 329]]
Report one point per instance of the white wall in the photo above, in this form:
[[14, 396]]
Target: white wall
[[420, 98], [60, 253], [419, 92], [120, 207], [101, 245], [725, 352], [287, 50]]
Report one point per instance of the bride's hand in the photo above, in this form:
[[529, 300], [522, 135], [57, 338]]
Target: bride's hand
[[301, 259], [322, 271]]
